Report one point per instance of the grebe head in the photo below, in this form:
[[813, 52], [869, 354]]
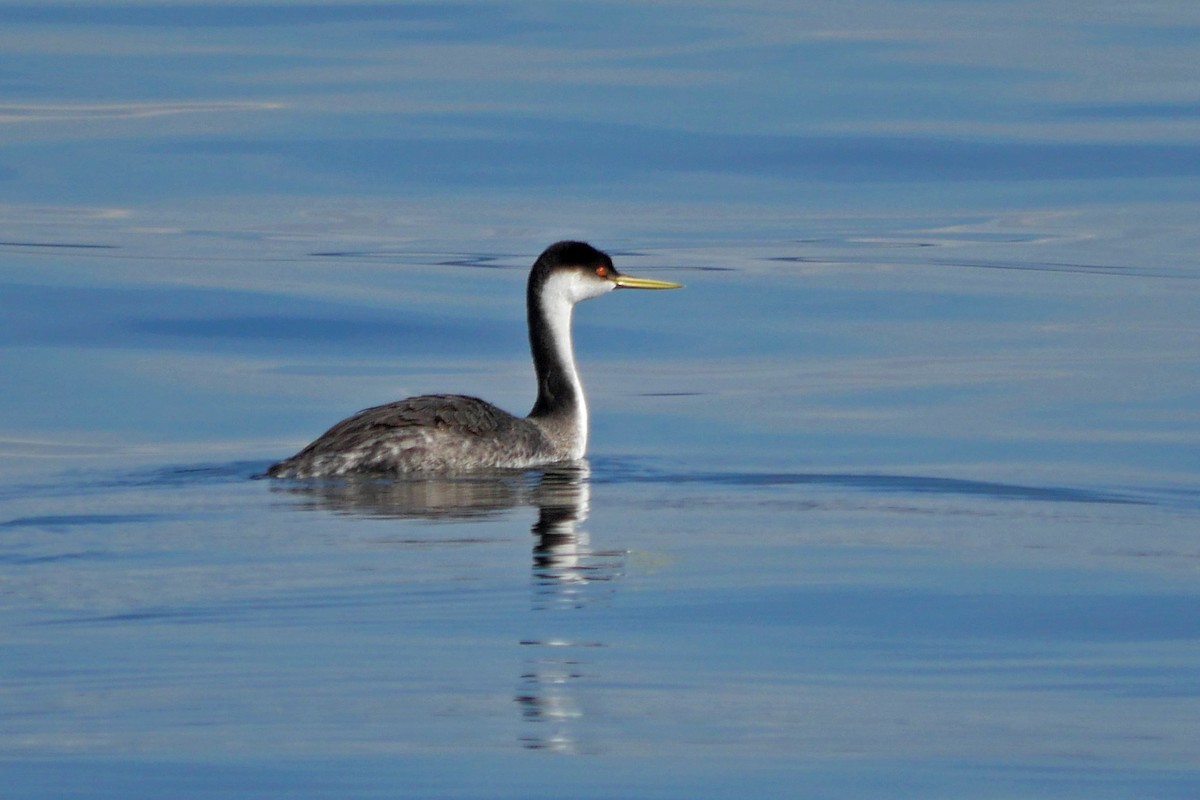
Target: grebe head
[[568, 272]]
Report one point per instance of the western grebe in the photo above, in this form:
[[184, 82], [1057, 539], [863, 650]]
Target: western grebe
[[450, 433]]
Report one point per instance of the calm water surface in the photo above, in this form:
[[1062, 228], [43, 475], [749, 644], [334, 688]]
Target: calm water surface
[[899, 498]]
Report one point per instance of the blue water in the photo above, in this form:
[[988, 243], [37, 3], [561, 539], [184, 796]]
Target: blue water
[[899, 497]]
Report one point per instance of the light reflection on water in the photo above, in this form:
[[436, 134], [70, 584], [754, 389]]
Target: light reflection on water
[[898, 498], [831, 613], [913, 492], [564, 576]]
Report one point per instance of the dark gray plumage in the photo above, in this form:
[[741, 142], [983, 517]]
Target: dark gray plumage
[[430, 433]]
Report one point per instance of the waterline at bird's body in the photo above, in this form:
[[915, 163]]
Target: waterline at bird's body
[[441, 433]]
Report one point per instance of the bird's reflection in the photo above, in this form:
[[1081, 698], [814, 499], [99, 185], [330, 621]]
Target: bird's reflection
[[567, 574], [567, 571], [436, 497], [565, 566]]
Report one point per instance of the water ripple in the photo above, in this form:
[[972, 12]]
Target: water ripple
[[619, 472]]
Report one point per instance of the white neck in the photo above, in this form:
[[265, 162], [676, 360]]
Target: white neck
[[558, 306], [560, 400]]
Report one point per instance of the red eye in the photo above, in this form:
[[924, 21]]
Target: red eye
[[602, 271]]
